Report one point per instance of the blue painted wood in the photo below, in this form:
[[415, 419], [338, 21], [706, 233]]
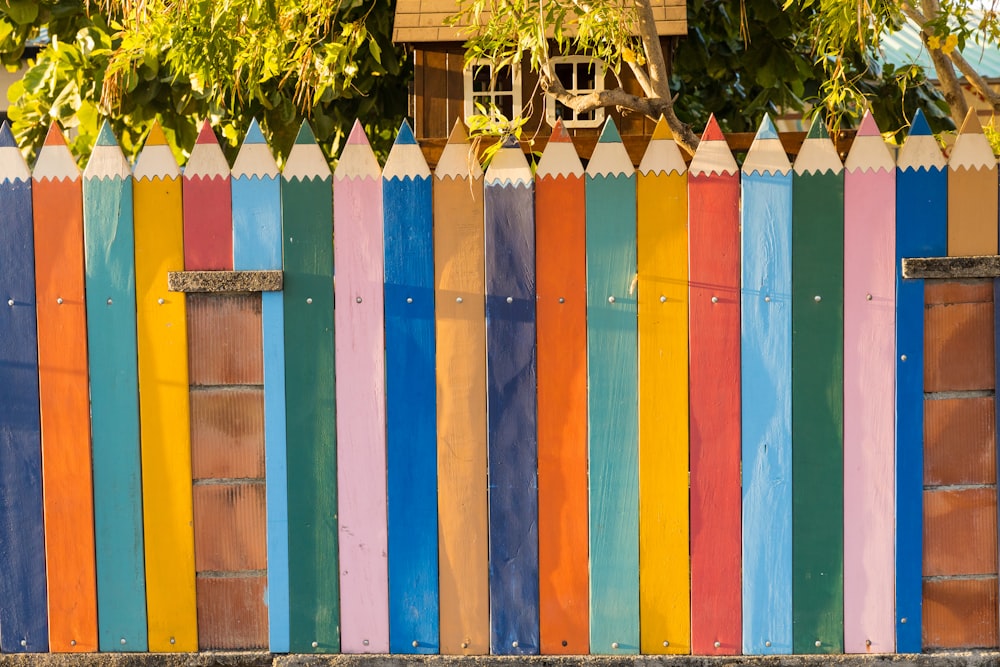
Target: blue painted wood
[[256, 197], [512, 417], [766, 413], [612, 402], [921, 231], [23, 614], [411, 411], [112, 347]]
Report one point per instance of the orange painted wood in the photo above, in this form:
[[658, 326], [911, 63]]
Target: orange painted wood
[[561, 311], [65, 411]]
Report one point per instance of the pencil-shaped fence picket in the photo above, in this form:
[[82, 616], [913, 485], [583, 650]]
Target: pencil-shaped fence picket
[[592, 409]]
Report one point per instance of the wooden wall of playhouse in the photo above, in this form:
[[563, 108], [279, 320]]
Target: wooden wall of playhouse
[[680, 409]]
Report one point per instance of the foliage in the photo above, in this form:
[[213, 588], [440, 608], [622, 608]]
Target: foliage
[[180, 61]]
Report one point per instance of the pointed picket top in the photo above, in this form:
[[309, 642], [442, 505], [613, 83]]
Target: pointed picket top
[[662, 154], [207, 159], [12, 164], [818, 154], [457, 159], [255, 159], [713, 157], [306, 159], [405, 160], [972, 149], [107, 159], [559, 157], [921, 149], [869, 151], [610, 157], [766, 156], [55, 162], [357, 160], [155, 159], [509, 166]]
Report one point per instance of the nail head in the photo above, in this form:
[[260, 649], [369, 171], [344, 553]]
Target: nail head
[[109, 302], [465, 645], [562, 300], [514, 644], [359, 299], [123, 641], [665, 644], [72, 642], [902, 620], [510, 299], [818, 643], [365, 642], [902, 357], [24, 642], [715, 299], [458, 300], [315, 644], [767, 299], [59, 301], [817, 298], [159, 301], [718, 644], [663, 299], [415, 643], [10, 302], [767, 643], [173, 641], [309, 300], [614, 645], [868, 296], [868, 642], [409, 299], [611, 299]]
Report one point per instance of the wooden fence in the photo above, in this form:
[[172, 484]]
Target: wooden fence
[[585, 410]]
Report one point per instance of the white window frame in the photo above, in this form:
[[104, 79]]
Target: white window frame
[[470, 94], [550, 102]]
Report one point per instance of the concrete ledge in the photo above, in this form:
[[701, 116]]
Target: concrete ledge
[[225, 281], [263, 659], [982, 266]]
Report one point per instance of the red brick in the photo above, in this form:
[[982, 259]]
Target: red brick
[[224, 339], [230, 527], [958, 347], [232, 613], [960, 441], [960, 531], [960, 613], [227, 433], [955, 291]]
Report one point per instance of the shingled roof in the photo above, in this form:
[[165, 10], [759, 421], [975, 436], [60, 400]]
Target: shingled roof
[[423, 20]]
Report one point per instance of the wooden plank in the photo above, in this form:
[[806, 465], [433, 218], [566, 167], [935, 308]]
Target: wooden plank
[[817, 388], [714, 353], [224, 281], [57, 202], [460, 316], [612, 398], [972, 170], [360, 363], [869, 382], [511, 403], [410, 408], [23, 619], [208, 215], [921, 229], [662, 260], [161, 327], [311, 418], [561, 269], [111, 343], [766, 402]]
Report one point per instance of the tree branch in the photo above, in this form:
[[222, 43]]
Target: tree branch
[[659, 77], [950, 85]]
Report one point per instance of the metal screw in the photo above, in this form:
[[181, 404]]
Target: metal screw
[[409, 299], [359, 299], [868, 296], [868, 642], [767, 643], [365, 642], [663, 299], [718, 644], [562, 300], [902, 357], [123, 641], [611, 299], [415, 643], [715, 299], [173, 641], [10, 302], [510, 299], [59, 301], [818, 643], [817, 298], [109, 302], [767, 299], [565, 643], [159, 301], [24, 642], [614, 645], [72, 642], [315, 644], [514, 644], [465, 644], [902, 620], [665, 644], [458, 299], [309, 300]]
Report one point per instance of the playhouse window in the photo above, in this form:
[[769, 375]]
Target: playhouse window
[[577, 74], [492, 90]]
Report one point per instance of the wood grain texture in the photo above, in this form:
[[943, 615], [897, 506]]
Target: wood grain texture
[[561, 266], [817, 412], [411, 411], [65, 413], [313, 589], [23, 618], [869, 383], [164, 418], [361, 437], [664, 561], [921, 230], [714, 343], [208, 206], [972, 228], [460, 317], [112, 346], [512, 416], [613, 413], [766, 413]]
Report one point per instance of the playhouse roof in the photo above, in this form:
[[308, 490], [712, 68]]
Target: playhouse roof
[[424, 20]]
